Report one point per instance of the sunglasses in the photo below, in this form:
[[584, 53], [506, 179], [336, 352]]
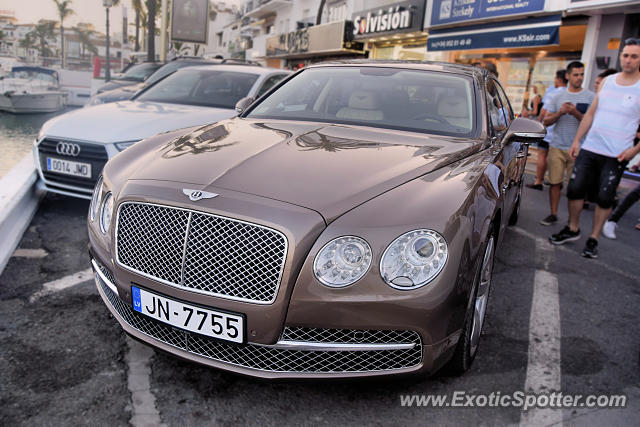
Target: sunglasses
[[632, 41]]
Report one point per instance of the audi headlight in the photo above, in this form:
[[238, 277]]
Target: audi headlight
[[122, 145], [95, 200], [342, 261], [106, 212], [414, 259], [94, 100]]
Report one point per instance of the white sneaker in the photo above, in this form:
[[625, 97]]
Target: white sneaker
[[609, 230]]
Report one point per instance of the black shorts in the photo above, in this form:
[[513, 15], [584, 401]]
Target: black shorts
[[595, 177], [543, 145]]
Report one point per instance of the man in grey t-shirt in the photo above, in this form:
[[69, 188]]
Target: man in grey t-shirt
[[565, 111]]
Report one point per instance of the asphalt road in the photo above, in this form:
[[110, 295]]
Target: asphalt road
[[65, 361]]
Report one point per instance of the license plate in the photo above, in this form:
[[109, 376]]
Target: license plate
[[68, 167], [212, 323]]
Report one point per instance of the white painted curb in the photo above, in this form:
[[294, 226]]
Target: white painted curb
[[19, 200]]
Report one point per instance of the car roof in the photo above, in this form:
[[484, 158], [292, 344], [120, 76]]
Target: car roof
[[253, 69], [469, 70]]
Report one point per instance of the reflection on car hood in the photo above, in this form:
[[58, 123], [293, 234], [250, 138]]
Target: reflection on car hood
[[130, 120], [328, 168], [114, 84], [120, 94]]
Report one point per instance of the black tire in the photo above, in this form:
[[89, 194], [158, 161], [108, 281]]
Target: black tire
[[464, 354]]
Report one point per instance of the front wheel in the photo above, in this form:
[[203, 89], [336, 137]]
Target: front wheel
[[467, 347]]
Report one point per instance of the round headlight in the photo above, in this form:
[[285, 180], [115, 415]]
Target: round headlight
[[342, 261], [95, 200], [414, 259], [105, 213]]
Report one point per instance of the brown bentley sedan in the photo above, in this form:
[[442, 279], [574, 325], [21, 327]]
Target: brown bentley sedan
[[343, 225]]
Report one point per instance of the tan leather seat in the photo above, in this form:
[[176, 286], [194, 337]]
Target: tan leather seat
[[455, 110], [362, 106]]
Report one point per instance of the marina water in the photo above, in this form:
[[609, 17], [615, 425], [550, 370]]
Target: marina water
[[17, 133]]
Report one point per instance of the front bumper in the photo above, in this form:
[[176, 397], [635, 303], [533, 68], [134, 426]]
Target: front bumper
[[93, 154], [299, 353]]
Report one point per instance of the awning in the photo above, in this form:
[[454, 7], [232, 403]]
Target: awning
[[527, 32]]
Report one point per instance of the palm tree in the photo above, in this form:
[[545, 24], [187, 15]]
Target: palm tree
[[41, 35], [320, 11], [64, 10], [107, 68], [151, 28], [28, 42], [143, 19], [84, 32], [139, 9]]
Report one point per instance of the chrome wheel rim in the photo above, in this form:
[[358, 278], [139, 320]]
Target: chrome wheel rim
[[480, 304]]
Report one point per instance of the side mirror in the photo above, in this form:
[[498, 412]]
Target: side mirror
[[243, 104], [525, 130]]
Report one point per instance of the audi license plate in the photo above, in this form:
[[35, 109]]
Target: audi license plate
[[213, 323], [68, 167]]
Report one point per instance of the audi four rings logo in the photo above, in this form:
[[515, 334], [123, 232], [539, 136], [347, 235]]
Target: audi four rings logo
[[195, 195], [67, 149]]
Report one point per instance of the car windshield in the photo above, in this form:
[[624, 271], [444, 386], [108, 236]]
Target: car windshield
[[210, 88], [415, 100], [137, 73], [168, 69]]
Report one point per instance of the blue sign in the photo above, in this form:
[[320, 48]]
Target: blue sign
[[522, 33], [135, 296], [453, 11]]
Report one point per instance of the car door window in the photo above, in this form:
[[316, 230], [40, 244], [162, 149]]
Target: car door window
[[506, 107], [269, 83], [497, 117]]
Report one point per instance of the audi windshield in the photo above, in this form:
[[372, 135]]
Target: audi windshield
[[414, 100], [208, 88]]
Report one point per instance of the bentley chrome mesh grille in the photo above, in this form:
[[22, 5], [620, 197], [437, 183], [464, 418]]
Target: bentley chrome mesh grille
[[201, 252], [349, 336], [272, 359]]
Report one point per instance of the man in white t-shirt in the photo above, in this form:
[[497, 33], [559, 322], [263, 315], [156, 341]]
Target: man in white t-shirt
[[564, 112], [609, 125]]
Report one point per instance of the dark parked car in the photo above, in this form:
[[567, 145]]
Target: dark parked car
[[343, 225], [136, 74]]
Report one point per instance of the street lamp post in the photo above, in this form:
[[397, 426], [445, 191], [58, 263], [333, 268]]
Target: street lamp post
[[107, 70]]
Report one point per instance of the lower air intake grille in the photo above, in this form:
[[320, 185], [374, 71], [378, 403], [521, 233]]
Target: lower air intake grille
[[267, 358]]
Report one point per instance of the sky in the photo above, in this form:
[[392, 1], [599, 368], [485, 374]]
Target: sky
[[92, 11]]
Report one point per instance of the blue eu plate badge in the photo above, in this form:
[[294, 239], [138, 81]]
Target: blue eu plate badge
[[135, 295]]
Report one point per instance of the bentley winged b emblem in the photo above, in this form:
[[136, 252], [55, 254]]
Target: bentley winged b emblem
[[195, 195]]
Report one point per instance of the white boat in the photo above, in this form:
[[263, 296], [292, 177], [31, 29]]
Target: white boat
[[31, 90]]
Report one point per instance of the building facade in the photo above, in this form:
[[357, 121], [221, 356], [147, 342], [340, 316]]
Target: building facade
[[529, 40]]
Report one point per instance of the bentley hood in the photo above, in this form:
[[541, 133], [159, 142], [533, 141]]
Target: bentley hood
[[130, 120], [324, 167]]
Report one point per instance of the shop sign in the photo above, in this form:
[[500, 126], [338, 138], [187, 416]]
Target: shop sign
[[320, 38], [522, 33], [189, 21], [406, 16], [454, 11]]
